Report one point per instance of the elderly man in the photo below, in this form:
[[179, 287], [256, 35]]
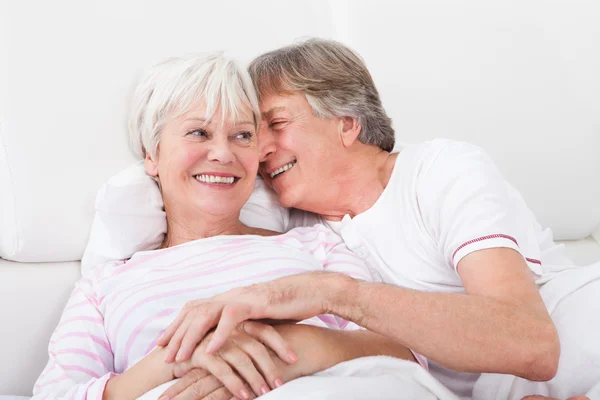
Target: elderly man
[[460, 253]]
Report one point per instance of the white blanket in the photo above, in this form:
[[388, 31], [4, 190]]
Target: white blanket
[[363, 378], [573, 300]]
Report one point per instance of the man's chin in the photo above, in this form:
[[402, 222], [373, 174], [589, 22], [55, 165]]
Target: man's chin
[[287, 199]]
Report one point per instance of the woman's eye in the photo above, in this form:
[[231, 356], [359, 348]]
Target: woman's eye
[[198, 132], [245, 136]]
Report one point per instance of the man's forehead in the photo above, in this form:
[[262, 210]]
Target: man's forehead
[[273, 110]]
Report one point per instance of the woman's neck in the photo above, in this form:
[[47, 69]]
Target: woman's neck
[[360, 180], [183, 228]]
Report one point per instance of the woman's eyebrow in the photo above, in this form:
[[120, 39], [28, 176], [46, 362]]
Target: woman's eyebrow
[[205, 121]]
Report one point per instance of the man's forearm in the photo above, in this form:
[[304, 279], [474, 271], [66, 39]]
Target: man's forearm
[[145, 375], [462, 332], [363, 343]]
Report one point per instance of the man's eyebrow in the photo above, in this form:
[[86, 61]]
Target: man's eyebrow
[[269, 114]]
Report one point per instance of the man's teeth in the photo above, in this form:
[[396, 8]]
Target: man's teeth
[[227, 180], [282, 169]]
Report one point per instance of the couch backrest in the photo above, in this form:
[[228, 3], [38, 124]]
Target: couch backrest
[[517, 78]]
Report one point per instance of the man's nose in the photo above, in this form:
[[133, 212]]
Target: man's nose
[[266, 142]]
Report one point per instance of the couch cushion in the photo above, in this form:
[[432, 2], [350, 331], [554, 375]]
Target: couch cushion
[[32, 297]]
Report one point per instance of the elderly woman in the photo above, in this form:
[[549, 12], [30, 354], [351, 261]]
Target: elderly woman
[[457, 246], [194, 120]]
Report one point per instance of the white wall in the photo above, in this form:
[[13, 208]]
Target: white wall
[[518, 77]]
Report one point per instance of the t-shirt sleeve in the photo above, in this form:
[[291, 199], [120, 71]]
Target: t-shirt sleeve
[[466, 206], [80, 356]]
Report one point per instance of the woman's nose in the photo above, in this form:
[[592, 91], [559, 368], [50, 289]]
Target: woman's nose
[[221, 152]]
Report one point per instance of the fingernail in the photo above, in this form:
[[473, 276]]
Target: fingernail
[[292, 356], [263, 390], [245, 394], [278, 382]]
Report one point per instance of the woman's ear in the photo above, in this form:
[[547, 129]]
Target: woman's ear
[[150, 166], [349, 130]]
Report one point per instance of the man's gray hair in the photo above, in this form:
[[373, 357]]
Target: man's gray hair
[[172, 87], [335, 81]]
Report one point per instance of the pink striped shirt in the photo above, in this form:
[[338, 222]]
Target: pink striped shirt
[[116, 314]]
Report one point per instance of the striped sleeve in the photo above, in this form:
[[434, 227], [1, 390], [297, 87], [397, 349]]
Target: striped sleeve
[[80, 357]]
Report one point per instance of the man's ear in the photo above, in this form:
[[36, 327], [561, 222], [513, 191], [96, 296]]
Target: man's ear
[[349, 130], [150, 166]]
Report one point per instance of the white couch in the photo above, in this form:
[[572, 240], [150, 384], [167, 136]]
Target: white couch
[[517, 78]]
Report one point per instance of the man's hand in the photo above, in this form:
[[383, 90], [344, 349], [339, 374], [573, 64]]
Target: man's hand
[[294, 297]]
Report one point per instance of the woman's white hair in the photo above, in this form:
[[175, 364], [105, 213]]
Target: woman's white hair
[[172, 87]]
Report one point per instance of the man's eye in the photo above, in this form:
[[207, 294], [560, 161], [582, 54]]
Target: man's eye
[[198, 132], [276, 124]]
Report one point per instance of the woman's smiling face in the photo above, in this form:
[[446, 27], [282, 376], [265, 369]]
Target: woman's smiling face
[[206, 166]]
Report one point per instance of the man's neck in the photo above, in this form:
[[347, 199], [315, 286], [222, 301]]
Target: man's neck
[[359, 182]]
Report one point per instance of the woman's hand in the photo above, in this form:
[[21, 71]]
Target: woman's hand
[[318, 349], [294, 297], [198, 384], [242, 359]]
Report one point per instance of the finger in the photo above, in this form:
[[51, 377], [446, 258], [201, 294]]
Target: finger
[[231, 317], [261, 359], [223, 372], [168, 333], [182, 384], [196, 331], [244, 366], [221, 394], [202, 389], [175, 342], [272, 339]]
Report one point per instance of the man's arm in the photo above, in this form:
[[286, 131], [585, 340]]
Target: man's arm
[[501, 325]]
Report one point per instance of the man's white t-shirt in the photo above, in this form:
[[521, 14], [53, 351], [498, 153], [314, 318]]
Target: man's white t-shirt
[[444, 200]]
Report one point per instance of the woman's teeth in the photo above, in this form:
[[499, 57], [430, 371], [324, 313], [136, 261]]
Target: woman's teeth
[[226, 180], [281, 170]]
